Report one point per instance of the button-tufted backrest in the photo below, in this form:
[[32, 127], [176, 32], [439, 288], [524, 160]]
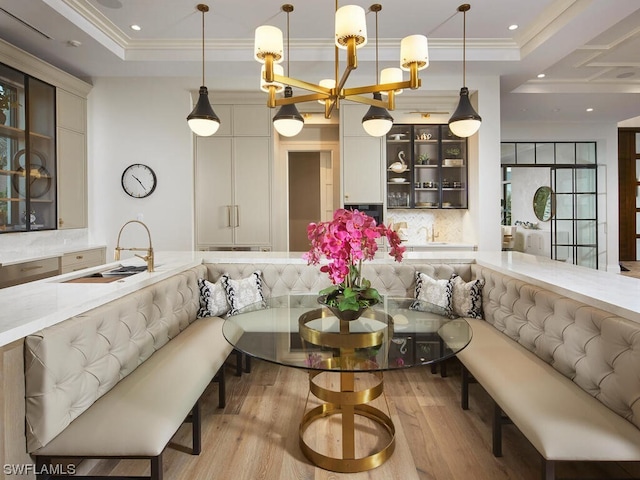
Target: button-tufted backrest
[[597, 350], [396, 279], [70, 365]]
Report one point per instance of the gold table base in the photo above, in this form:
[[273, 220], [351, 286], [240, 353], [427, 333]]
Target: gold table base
[[347, 401]]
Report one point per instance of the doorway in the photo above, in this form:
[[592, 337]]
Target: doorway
[[310, 194]]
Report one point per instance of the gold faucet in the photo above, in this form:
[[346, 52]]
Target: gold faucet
[[434, 235], [147, 258]]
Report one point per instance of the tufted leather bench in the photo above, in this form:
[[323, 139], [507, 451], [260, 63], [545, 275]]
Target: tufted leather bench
[[119, 380], [566, 374]]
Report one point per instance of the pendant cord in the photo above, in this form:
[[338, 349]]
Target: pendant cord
[[202, 47], [464, 48], [288, 35], [377, 69]]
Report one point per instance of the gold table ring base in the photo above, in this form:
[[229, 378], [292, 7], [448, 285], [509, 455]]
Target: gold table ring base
[[347, 465]]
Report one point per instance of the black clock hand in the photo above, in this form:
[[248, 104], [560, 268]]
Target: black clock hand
[[143, 187]]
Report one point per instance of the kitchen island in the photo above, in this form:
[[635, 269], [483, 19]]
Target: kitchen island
[[25, 309]]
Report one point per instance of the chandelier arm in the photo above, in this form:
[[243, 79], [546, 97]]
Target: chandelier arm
[[312, 97], [367, 101], [381, 87], [311, 87]]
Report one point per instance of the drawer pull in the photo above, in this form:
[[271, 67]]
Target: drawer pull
[[79, 257], [36, 267]]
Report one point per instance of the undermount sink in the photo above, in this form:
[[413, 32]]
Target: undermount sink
[[108, 276]]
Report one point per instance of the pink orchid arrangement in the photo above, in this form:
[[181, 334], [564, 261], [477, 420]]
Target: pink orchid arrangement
[[348, 240]]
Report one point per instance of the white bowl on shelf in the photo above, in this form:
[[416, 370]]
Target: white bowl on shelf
[[398, 180]]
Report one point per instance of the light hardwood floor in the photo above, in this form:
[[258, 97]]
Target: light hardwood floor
[[256, 435]]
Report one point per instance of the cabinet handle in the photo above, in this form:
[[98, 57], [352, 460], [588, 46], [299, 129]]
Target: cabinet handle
[[229, 216], [60, 222], [36, 267], [79, 257], [237, 215]]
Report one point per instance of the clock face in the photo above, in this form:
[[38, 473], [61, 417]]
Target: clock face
[[139, 180]]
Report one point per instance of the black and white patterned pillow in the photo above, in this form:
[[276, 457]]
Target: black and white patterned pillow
[[432, 295], [466, 300], [213, 299], [244, 292]]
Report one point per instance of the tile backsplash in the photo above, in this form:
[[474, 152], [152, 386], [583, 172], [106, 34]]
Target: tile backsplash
[[448, 224]]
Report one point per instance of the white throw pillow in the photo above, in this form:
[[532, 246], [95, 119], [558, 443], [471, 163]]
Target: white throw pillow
[[213, 299], [466, 300], [432, 293], [241, 293]]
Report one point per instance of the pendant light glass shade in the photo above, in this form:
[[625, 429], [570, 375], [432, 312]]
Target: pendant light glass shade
[[203, 120], [465, 121], [268, 41], [414, 49], [350, 23], [264, 86], [391, 75], [377, 121], [327, 83], [288, 121]]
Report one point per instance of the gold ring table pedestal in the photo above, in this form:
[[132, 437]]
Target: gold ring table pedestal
[[347, 402], [293, 331]]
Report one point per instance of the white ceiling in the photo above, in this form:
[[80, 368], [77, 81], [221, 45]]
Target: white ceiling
[[588, 49]]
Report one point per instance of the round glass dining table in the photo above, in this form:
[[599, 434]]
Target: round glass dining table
[[296, 331]]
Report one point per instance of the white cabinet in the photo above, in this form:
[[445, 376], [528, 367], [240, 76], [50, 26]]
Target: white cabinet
[[362, 159], [72, 261], [72, 160], [233, 184]]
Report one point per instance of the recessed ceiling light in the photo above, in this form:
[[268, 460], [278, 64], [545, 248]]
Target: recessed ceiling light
[[513, 27], [589, 109], [74, 43], [135, 27], [541, 75], [556, 110]]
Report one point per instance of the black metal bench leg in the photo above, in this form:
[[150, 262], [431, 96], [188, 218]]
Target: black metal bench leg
[[222, 388], [238, 363], [156, 467], [196, 430], [464, 395], [548, 469], [247, 364], [497, 430]]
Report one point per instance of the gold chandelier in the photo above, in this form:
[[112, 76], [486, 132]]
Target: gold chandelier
[[350, 35]]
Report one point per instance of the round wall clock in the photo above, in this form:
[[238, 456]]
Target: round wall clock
[[139, 180]]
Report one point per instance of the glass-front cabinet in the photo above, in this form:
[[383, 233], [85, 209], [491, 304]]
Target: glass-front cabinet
[[426, 168], [27, 153]]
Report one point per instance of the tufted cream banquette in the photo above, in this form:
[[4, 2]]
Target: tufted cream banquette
[[120, 379], [565, 373]]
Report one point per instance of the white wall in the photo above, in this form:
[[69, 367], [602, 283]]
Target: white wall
[[606, 136], [141, 120]]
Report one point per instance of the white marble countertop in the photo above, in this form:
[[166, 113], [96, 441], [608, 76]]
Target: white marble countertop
[[14, 256], [27, 308]]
